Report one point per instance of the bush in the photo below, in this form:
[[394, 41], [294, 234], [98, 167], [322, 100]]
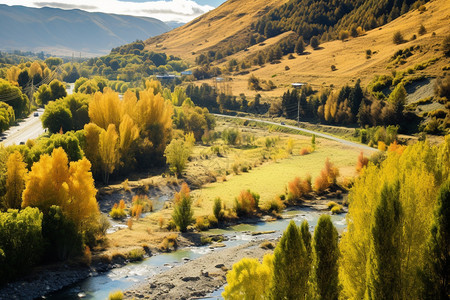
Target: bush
[[327, 177], [246, 203], [337, 209], [275, 205], [231, 136], [297, 189], [333, 68], [182, 212], [422, 30], [169, 242], [398, 38], [117, 295], [343, 35], [305, 151], [136, 254], [118, 211], [331, 204], [202, 223]]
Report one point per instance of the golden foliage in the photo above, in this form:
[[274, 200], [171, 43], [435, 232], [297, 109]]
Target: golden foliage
[[420, 170], [15, 180], [327, 177], [52, 181], [362, 162]]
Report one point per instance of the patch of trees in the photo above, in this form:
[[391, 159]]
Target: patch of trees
[[395, 246], [11, 96], [49, 213], [326, 20]]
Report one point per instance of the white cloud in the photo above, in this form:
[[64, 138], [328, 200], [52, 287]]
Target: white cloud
[[170, 10]]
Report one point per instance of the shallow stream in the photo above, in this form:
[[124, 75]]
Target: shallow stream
[[100, 285]]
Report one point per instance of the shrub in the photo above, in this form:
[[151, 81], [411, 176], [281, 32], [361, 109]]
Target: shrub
[[327, 177], [267, 245], [130, 224], [141, 204], [382, 146], [213, 222], [182, 212], [217, 209], [125, 186], [398, 38], [275, 205], [246, 203], [136, 254], [422, 30], [161, 222], [202, 223], [169, 242], [86, 259], [305, 151], [333, 68], [362, 162], [117, 295], [118, 210], [177, 154], [231, 136], [331, 204], [343, 35], [337, 209], [297, 189]]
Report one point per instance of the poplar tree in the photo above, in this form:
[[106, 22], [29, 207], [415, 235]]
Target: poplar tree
[[290, 266], [435, 275], [326, 254], [15, 180], [383, 267]]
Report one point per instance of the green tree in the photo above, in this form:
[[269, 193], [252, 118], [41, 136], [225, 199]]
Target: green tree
[[326, 254], [398, 38], [57, 116], [300, 46], [177, 154], [435, 275], [58, 90], [182, 212], [398, 100], [314, 42], [217, 209], [14, 97], [290, 266], [20, 241], [384, 265]]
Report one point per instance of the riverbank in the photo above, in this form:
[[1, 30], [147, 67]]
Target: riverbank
[[196, 278]]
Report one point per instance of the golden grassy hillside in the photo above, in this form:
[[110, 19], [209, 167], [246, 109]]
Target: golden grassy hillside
[[349, 57], [213, 29]]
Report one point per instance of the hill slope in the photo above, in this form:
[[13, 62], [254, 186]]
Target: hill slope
[[349, 57], [224, 25], [59, 31]]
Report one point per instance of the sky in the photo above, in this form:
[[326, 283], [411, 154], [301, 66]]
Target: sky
[[164, 10]]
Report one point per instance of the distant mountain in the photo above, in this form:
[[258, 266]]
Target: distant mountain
[[174, 24], [63, 32]]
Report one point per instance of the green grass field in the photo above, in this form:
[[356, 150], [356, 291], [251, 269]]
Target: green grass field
[[270, 179]]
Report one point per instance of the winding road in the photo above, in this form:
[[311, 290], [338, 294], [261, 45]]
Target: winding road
[[319, 134]]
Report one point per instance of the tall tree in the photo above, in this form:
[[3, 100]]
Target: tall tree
[[435, 275], [326, 254], [290, 266], [15, 181], [108, 150], [383, 267]]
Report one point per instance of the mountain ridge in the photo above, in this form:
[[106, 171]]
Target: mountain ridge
[[62, 32]]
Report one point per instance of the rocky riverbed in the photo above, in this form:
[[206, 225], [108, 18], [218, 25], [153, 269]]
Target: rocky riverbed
[[196, 278]]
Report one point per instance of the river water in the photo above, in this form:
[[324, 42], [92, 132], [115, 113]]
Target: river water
[[100, 285]]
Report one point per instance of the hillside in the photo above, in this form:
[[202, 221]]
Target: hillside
[[349, 57], [226, 24], [62, 32]]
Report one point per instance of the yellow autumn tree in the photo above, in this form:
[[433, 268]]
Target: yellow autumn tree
[[249, 279], [12, 74], [15, 180], [91, 149], [108, 150], [105, 108], [52, 181], [419, 175]]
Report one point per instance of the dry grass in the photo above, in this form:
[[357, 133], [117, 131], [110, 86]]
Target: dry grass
[[349, 57]]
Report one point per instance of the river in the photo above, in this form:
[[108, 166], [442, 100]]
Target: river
[[100, 285]]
